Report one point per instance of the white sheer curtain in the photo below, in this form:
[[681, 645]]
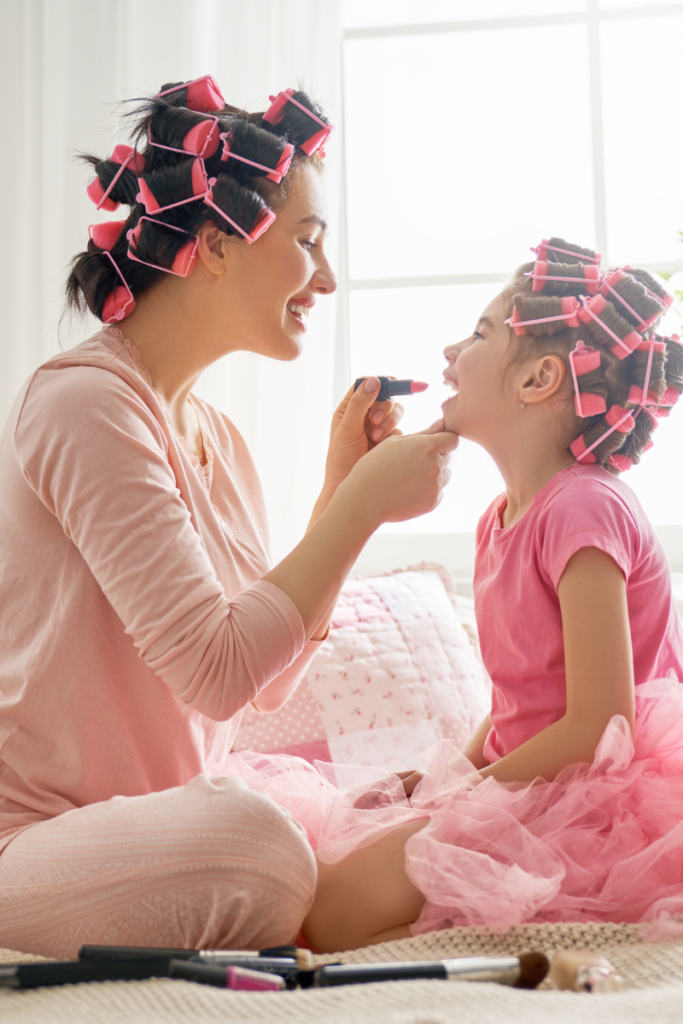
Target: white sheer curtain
[[64, 67]]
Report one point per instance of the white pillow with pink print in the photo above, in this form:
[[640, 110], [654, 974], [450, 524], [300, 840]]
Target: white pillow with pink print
[[397, 673]]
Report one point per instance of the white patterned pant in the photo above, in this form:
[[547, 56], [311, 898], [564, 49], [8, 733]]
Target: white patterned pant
[[207, 865]]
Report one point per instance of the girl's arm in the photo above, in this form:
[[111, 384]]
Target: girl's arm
[[474, 748], [599, 670]]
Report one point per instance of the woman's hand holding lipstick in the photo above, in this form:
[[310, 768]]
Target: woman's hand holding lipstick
[[358, 425]]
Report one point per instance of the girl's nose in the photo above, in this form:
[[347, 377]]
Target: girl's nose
[[450, 352]]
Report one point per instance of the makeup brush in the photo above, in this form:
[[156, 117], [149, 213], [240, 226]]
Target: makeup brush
[[525, 971]]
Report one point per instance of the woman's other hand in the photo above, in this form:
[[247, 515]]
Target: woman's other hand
[[402, 478], [359, 424]]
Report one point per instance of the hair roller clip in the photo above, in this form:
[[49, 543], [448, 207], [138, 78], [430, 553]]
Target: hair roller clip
[[618, 419], [539, 275], [200, 141], [591, 308], [275, 174], [570, 312], [275, 113], [123, 155], [263, 222], [120, 303], [185, 258], [545, 247], [584, 360], [202, 94], [106, 235], [200, 188]]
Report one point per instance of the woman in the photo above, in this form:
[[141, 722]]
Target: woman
[[140, 615]]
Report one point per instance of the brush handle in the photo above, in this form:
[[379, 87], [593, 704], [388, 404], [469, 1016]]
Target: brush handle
[[356, 974]]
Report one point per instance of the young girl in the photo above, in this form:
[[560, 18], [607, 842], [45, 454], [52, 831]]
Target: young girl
[[566, 803]]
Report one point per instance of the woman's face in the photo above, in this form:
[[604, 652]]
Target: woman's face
[[274, 283], [475, 371]]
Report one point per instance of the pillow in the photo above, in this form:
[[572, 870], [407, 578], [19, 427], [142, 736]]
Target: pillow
[[396, 674]]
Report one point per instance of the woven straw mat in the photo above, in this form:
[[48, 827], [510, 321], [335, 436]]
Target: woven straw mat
[[653, 973]]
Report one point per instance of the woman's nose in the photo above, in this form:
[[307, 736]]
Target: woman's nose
[[324, 280], [450, 352]]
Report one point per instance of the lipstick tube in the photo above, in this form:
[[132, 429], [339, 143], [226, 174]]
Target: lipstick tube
[[237, 978], [393, 388]]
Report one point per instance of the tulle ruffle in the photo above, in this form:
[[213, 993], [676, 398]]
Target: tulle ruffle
[[603, 842]]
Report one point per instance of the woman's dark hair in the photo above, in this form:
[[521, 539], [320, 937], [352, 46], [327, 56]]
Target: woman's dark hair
[[612, 384], [243, 191]]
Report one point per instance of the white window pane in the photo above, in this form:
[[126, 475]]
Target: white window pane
[[618, 5], [402, 333], [459, 154], [643, 139], [362, 13]]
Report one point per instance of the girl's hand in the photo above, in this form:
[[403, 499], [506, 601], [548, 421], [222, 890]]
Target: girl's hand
[[402, 478], [359, 424]]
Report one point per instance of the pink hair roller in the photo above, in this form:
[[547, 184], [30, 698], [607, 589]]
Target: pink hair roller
[[591, 309], [185, 258], [275, 112], [120, 303], [200, 188], [665, 300], [275, 174], [545, 247], [203, 94], [263, 222], [106, 235], [539, 276], [636, 394], [201, 141], [123, 155], [570, 312], [622, 462], [607, 287], [584, 360], [618, 419]]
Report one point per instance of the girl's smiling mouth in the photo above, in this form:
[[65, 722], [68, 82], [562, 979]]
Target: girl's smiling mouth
[[300, 308]]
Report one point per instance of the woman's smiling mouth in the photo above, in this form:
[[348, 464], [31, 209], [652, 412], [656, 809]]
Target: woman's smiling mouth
[[300, 308]]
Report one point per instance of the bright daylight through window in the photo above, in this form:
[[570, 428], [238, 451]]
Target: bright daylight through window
[[466, 176]]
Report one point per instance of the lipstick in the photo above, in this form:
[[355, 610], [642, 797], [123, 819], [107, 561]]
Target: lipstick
[[393, 388], [237, 978]]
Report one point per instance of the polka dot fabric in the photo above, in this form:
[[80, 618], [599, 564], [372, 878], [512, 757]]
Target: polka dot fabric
[[397, 673]]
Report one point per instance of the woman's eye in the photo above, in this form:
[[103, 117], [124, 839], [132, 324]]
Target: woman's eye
[[308, 243], [476, 335]]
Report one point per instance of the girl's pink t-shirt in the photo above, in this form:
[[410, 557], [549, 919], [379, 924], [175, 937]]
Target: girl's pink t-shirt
[[135, 624], [517, 572]]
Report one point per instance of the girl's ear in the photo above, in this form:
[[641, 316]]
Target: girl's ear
[[543, 379]]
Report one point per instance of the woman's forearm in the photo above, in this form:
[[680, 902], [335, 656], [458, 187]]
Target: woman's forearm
[[313, 573], [544, 756]]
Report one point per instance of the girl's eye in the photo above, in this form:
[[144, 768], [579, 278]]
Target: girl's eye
[[476, 335], [308, 243]]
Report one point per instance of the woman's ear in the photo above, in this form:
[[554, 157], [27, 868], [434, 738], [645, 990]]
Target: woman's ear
[[542, 380], [212, 249]]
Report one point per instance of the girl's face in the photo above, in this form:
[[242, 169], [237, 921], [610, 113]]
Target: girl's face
[[485, 395], [273, 284]]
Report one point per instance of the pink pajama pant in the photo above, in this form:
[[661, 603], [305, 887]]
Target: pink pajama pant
[[207, 865]]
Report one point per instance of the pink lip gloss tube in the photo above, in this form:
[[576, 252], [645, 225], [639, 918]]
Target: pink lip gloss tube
[[239, 979]]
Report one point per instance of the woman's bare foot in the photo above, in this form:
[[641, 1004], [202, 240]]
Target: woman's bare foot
[[365, 898]]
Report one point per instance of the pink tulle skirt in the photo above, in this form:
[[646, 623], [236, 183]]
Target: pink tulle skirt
[[603, 842]]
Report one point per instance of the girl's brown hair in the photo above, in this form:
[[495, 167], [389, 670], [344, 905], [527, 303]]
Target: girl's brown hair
[[615, 385]]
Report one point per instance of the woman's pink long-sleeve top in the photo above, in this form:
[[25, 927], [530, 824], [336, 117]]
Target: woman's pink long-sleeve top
[[134, 622]]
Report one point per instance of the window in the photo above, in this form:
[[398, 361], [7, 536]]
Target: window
[[444, 122]]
